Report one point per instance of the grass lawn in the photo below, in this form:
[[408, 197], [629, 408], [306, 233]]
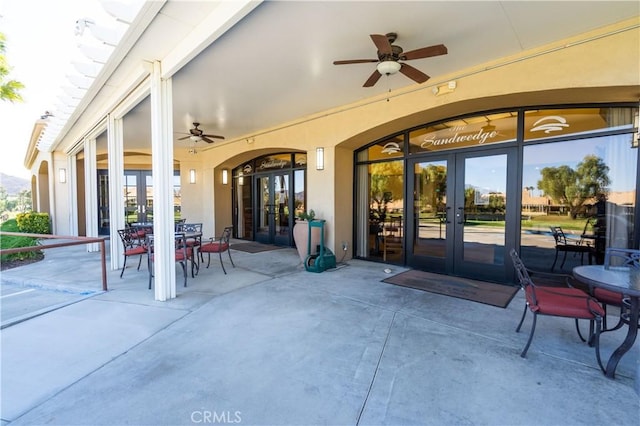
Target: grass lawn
[[10, 241]]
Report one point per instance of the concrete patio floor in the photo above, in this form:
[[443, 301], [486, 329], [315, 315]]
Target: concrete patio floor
[[270, 343]]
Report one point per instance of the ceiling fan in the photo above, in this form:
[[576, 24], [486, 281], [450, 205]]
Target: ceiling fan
[[390, 55], [197, 134]]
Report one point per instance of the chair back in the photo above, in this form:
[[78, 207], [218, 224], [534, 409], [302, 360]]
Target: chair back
[[523, 275], [178, 224], [226, 236], [621, 257], [526, 283], [189, 227], [129, 238], [558, 235], [180, 244]]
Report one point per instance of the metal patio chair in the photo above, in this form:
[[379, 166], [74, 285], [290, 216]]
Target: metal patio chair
[[566, 246], [561, 300], [132, 246], [219, 246], [181, 254]]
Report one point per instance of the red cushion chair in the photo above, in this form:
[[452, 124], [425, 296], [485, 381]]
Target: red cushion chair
[[193, 232], [219, 246], [132, 246], [183, 254], [565, 301]]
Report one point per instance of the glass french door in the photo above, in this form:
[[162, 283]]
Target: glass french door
[[274, 207], [461, 202], [137, 191], [138, 196]]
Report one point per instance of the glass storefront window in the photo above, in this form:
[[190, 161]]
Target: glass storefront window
[[588, 188], [383, 190], [465, 133], [552, 123]]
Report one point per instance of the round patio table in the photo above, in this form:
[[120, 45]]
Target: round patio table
[[622, 280]]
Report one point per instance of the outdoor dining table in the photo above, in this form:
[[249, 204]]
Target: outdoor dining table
[[622, 280]]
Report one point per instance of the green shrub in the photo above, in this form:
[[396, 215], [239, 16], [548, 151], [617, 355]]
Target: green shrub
[[34, 223], [10, 241]]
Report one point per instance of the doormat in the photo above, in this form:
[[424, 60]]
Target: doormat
[[254, 247], [462, 288]]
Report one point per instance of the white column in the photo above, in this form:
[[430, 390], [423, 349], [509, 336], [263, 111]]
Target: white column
[[91, 192], [162, 165], [73, 195], [51, 183], [115, 155]]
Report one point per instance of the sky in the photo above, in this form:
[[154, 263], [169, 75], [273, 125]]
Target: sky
[[40, 47]]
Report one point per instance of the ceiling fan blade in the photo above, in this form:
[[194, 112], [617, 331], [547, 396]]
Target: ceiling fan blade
[[186, 137], [354, 61], [382, 43], [373, 79], [413, 73], [213, 136], [425, 52], [206, 139]]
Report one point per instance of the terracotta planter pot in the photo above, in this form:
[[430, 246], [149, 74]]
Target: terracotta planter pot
[[301, 238]]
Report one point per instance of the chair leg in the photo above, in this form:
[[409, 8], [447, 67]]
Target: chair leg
[[596, 339], [580, 334], [524, 313], [184, 271], [193, 263], [604, 321], [139, 262], [222, 264], [124, 265], [533, 329], [150, 267], [196, 257], [229, 252]]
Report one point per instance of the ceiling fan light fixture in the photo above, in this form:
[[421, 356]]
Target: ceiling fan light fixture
[[388, 67]]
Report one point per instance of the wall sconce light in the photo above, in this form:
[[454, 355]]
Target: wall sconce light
[[225, 176], [192, 176], [319, 158], [62, 175]]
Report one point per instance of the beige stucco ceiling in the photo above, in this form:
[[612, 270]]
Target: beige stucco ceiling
[[276, 64]]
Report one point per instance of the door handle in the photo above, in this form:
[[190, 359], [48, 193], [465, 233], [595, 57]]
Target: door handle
[[460, 215], [446, 215]]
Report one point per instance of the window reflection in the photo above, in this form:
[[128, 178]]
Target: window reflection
[[586, 187], [386, 211]]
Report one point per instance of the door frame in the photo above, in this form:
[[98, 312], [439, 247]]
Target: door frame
[[141, 194], [453, 262], [272, 236]]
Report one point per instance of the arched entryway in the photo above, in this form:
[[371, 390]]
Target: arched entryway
[[268, 192]]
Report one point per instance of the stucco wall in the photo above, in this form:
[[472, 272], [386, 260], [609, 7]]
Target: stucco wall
[[604, 69], [591, 68]]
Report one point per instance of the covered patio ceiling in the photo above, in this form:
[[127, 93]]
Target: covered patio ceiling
[[276, 66]]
